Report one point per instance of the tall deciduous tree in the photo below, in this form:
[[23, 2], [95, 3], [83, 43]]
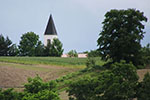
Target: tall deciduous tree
[[121, 35], [28, 44]]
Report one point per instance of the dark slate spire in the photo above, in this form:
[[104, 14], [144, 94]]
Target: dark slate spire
[[50, 29]]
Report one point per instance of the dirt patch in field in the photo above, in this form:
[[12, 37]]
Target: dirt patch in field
[[15, 75], [141, 73], [64, 95]]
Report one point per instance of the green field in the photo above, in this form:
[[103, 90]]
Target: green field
[[57, 61]]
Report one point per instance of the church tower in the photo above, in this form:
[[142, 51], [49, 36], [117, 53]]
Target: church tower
[[50, 32]]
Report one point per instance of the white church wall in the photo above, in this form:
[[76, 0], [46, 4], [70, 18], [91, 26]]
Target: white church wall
[[47, 37]]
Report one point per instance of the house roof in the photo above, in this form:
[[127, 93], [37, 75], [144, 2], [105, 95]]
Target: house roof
[[50, 29]]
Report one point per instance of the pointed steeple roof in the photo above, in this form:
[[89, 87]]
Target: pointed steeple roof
[[50, 29]]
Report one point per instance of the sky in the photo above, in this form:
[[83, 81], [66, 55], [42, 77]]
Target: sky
[[78, 22]]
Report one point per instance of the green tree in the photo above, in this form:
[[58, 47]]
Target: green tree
[[13, 51], [143, 88], [83, 88], [36, 89], [94, 53], [5, 44], [10, 94], [28, 44], [47, 49], [119, 83], [145, 51], [90, 63], [73, 53], [39, 49], [36, 85], [56, 49], [121, 35], [42, 95]]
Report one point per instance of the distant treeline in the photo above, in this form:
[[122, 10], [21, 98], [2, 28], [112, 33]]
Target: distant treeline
[[29, 45]]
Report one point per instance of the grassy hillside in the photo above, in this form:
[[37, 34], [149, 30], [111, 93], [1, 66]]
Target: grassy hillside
[[57, 61], [14, 71]]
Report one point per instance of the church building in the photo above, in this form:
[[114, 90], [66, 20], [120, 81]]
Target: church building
[[50, 32]]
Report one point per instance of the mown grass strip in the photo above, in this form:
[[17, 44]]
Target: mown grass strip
[[56, 61], [26, 67], [46, 60]]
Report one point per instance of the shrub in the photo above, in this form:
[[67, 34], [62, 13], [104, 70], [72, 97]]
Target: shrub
[[119, 83], [143, 88], [41, 95], [9, 94], [82, 89], [90, 63], [94, 53], [72, 53], [145, 51], [35, 89]]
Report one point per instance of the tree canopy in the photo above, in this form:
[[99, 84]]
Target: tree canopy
[[6, 47], [146, 54], [121, 35], [35, 89], [56, 48], [144, 87], [28, 44], [72, 53], [119, 83]]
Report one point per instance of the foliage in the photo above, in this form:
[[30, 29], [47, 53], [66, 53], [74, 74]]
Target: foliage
[[116, 84], [42, 95], [82, 89], [36, 89], [90, 63], [73, 53], [28, 44], [13, 51], [39, 49], [121, 35], [35, 85], [94, 53], [120, 83], [56, 49], [145, 51], [127, 71], [143, 88], [47, 49], [9, 94], [5, 45], [39, 90]]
